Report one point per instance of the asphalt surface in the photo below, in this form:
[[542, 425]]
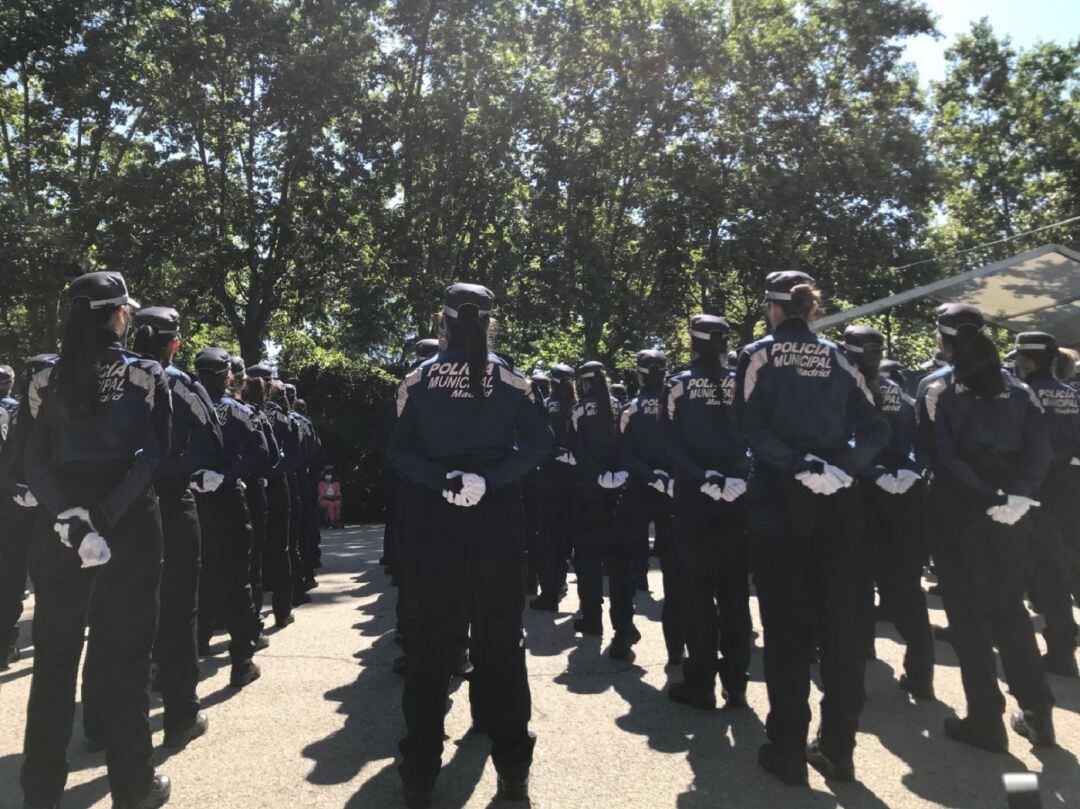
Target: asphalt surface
[[320, 729]]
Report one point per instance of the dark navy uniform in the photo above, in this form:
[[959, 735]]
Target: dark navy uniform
[[258, 505], [556, 490], [643, 448], [801, 396], [455, 557], [196, 445], [983, 446], [17, 514], [226, 523], [282, 561], [711, 534], [1055, 569], [893, 540], [106, 468], [594, 444]]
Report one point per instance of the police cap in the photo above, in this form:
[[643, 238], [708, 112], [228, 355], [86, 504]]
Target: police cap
[[1036, 342], [561, 372], [651, 360], [951, 317], [704, 327], [778, 285], [591, 369], [426, 348], [540, 376], [213, 361], [259, 371], [236, 365], [459, 296], [162, 319], [290, 391], [858, 338], [101, 290]]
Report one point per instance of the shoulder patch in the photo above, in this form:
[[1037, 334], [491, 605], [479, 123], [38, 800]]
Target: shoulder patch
[[628, 411], [38, 382], [510, 377], [848, 366], [144, 379], [757, 357], [933, 393]]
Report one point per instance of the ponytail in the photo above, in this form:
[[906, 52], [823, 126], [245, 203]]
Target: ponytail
[[79, 365], [804, 301], [711, 354], [255, 391], [602, 393], [976, 363], [468, 331], [148, 342]]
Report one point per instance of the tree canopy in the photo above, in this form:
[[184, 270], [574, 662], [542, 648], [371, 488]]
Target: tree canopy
[[313, 172]]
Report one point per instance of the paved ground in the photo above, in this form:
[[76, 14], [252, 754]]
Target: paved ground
[[320, 728]]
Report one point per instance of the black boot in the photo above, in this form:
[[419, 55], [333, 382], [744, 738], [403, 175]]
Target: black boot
[[243, 674], [180, 736], [832, 767], [1061, 665], [686, 695], [791, 769], [544, 604], [1035, 726], [988, 736], [589, 626], [916, 688], [158, 795], [512, 790]]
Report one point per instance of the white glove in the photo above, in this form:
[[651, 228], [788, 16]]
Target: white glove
[[829, 481], [663, 483], [1074, 462], [25, 498], [69, 522], [265, 483], [206, 480], [713, 490], [567, 458], [241, 485], [888, 483], [472, 490], [905, 479], [1013, 511], [612, 480], [94, 550], [734, 488]]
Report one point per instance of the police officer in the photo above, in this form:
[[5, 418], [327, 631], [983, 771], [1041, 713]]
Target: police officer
[[18, 511], [101, 427], [620, 394], [467, 431], [708, 458], [277, 558], [254, 396], [992, 453], [643, 434], [556, 490], [894, 552], [541, 388], [595, 448], [296, 460], [195, 447], [1057, 518], [801, 401], [316, 460], [226, 525]]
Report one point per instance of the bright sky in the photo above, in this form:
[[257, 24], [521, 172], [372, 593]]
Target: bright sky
[[1025, 21]]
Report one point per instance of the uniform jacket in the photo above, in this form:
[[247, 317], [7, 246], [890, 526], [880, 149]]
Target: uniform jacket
[[440, 427], [643, 436], [1061, 407], [197, 442], [799, 394], [704, 426], [595, 445], [246, 453], [987, 444], [133, 427], [265, 424], [899, 409], [287, 434]]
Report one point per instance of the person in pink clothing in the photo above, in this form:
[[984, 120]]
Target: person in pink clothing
[[330, 498]]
